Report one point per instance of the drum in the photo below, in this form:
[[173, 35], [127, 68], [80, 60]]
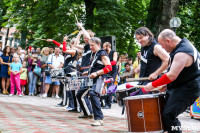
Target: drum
[[77, 82], [122, 92], [57, 74], [144, 113]]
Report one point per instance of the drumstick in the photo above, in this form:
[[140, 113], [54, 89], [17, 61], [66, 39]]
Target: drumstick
[[73, 33], [143, 86], [76, 18], [41, 39], [137, 79], [126, 74]]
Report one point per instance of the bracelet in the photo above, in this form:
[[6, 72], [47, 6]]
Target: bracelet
[[97, 74]]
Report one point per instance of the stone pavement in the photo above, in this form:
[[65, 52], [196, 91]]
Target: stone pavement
[[31, 114]]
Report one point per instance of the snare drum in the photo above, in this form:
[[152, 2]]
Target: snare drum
[[77, 82], [57, 74], [144, 113], [122, 92]]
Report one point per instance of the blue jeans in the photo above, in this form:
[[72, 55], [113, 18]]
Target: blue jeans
[[96, 106], [32, 82]]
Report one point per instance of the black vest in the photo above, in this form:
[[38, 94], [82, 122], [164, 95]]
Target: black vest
[[96, 62], [69, 60], [114, 67], [86, 56], [189, 76], [149, 62]]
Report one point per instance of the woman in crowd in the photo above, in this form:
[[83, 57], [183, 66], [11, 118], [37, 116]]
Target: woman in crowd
[[5, 60], [32, 62], [45, 55]]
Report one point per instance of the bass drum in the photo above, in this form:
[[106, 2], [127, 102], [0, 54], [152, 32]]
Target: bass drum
[[144, 113], [123, 92]]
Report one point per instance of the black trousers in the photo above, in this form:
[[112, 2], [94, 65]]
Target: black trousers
[[177, 101]]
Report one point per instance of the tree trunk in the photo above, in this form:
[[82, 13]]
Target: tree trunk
[[90, 5], [153, 12], [168, 10]]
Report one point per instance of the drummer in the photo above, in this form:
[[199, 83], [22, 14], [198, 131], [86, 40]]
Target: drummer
[[182, 78], [154, 59], [99, 64], [114, 73], [69, 57]]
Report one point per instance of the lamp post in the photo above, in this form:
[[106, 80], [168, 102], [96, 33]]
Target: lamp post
[[175, 23]]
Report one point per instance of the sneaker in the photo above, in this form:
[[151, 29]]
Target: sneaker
[[97, 123], [29, 94], [69, 108], [52, 96], [60, 105], [32, 94], [10, 95], [85, 116], [57, 97], [106, 107], [44, 96], [20, 95]]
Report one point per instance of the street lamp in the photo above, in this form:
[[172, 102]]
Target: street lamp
[[175, 23]]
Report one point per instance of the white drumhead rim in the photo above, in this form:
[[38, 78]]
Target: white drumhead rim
[[143, 96]]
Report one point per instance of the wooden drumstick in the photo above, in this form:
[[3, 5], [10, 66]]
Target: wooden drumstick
[[143, 86], [137, 79], [76, 18], [41, 39]]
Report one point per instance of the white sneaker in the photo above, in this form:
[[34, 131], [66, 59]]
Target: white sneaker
[[97, 123], [10, 95], [57, 97], [29, 94], [32, 94], [44, 96], [20, 95]]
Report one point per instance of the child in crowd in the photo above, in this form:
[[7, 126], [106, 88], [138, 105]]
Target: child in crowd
[[23, 76], [16, 69]]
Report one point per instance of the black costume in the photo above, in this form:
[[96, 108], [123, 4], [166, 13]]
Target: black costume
[[68, 67], [94, 92], [182, 92]]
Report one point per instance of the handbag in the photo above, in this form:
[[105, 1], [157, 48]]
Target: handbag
[[37, 70], [47, 71], [9, 68]]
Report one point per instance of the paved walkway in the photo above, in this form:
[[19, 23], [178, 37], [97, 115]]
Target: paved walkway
[[31, 114]]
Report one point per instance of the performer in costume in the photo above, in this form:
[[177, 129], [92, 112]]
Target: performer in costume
[[114, 73], [154, 59], [69, 58], [99, 64], [83, 92], [182, 78]]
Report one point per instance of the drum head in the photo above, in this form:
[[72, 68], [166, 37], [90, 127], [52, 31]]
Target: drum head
[[143, 96], [122, 87]]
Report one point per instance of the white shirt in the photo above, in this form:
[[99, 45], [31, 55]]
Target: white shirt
[[56, 61]]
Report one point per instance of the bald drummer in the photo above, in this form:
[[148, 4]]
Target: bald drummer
[[182, 78]]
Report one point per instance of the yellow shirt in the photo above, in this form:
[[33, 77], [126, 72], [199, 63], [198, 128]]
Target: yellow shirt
[[135, 65], [23, 75]]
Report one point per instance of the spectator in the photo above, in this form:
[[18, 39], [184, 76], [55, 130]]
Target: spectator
[[51, 50], [57, 61], [136, 65], [16, 69], [32, 62], [12, 50], [119, 64], [23, 76], [5, 60], [45, 55]]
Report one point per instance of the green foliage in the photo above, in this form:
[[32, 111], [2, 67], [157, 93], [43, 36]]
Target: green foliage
[[189, 14]]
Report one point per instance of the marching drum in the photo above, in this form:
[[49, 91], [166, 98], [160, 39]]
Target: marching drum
[[123, 92], [57, 74], [77, 82], [144, 113]]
